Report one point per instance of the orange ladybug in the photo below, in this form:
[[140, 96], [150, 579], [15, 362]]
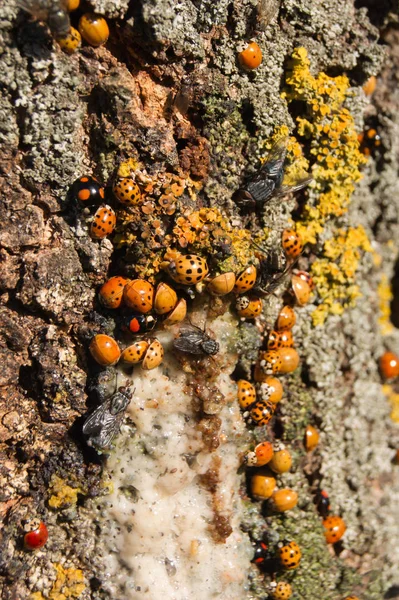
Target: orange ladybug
[[286, 318], [300, 289], [280, 591], [260, 455], [251, 57], [246, 280], [135, 353], [290, 555], [178, 314], [139, 295], [262, 412], [111, 292], [270, 388], [165, 299], [284, 499], [104, 223], [281, 461], [312, 437], [188, 269], [262, 485], [223, 284], [248, 307], [334, 529], [305, 276], [270, 362], [153, 356], [389, 365], [94, 29], [289, 358], [292, 244], [105, 350], [246, 393], [128, 192]]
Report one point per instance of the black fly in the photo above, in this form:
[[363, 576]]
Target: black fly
[[52, 12], [194, 340], [268, 180], [104, 423], [271, 273]]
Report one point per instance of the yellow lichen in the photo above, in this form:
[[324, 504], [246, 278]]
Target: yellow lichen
[[393, 399], [334, 273], [334, 142], [62, 494], [298, 164], [385, 298], [68, 584]]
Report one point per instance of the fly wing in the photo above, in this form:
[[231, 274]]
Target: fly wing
[[35, 7], [295, 187], [274, 162], [103, 424], [190, 341]]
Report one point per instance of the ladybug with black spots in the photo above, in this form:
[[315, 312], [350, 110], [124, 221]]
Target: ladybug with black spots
[[290, 555], [188, 269], [103, 224], [262, 412], [88, 191], [128, 192]]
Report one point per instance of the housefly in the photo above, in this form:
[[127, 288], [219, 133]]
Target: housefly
[[104, 423], [271, 273], [52, 12], [194, 340], [267, 182]]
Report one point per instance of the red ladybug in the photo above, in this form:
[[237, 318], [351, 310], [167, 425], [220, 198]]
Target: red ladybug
[[36, 536]]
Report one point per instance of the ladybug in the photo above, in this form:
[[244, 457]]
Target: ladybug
[[88, 191], [105, 350], [154, 356], [291, 242], [188, 269], [72, 5], [94, 29], [323, 503], [246, 393], [251, 57], [273, 340], [70, 42], [111, 292], [270, 388], [289, 358], [135, 353], [138, 323], [312, 437], [128, 192], [104, 222], [260, 456], [300, 289], [178, 314], [306, 277], [290, 555], [280, 339], [369, 88], [262, 412], [389, 365], [280, 591], [261, 553], [139, 295], [248, 307], [284, 499], [263, 485], [281, 461], [223, 284], [369, 140], [270, 362], [165, 299], [246, 280], [351, 598], [334, 529], [286, 318], [36, 534]]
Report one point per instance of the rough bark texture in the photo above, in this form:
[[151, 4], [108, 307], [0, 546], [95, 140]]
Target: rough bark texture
[[61, 116]]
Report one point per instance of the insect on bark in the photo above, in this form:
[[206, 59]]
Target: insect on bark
[[52, 12], [104, 423], [267, 182], [194, 340]]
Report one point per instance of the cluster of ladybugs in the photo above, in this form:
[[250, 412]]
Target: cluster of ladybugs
[[92, 27]]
